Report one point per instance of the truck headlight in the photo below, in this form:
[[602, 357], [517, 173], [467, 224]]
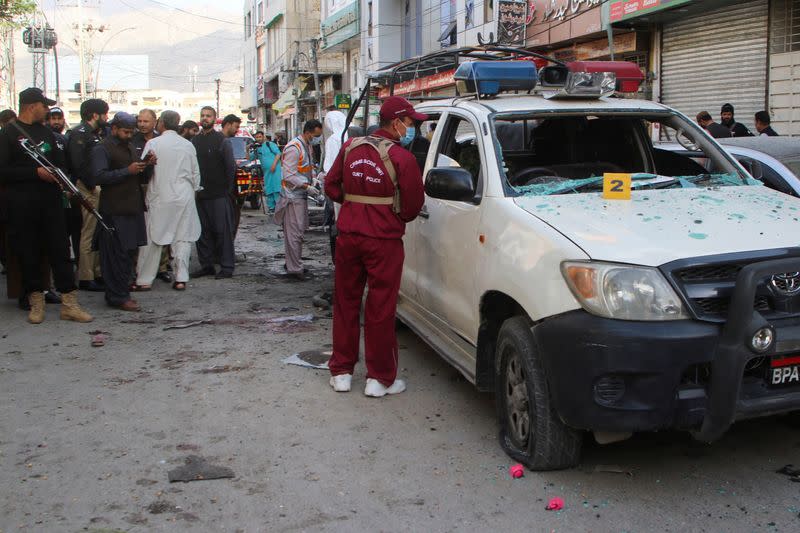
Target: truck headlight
[[623, 292]]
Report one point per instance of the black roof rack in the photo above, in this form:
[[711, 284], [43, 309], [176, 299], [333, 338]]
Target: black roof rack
[[432, 63]]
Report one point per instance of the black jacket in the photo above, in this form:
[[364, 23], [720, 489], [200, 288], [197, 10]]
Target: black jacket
[[80, 141], [120, 191], [769, 132], [17, 169], [217, 165]]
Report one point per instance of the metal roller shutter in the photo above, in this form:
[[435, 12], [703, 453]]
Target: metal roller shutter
[[717, 57]]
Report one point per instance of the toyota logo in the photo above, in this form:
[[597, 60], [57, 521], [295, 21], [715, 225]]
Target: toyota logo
[[787, 284]]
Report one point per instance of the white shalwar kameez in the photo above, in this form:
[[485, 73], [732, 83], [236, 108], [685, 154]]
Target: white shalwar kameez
[[171, 211]]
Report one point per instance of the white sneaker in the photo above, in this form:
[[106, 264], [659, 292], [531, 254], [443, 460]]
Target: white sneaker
[[376, 389], [341, 383]]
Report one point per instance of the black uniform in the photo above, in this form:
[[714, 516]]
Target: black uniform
[[718, 131], [72, 214], [37, 226], [122, 204], [80, 141], [769, 132], [214, 202]]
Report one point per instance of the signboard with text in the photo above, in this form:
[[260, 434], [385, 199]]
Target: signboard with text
[[426, 83], [628, 9], [555, 21], [343, 25], [511, 21]]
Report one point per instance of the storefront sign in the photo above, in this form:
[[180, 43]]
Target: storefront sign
[[511, 21], [559, 9], [555, 21], [427, 83], [598, 48], [342, 101], [343, 25], [628, 9]]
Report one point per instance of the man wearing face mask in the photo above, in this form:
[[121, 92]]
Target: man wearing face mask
[[379, 184], [298, 181]]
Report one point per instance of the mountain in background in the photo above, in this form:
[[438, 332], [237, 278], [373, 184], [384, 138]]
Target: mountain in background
[[176, 44]]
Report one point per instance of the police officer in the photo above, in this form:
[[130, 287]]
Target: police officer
[[55, 119], [80, 141], [379, 185], [36, 212]]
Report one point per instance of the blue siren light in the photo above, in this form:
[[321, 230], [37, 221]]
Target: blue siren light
[[488, 78]]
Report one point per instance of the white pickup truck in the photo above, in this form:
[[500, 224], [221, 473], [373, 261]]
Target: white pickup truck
[[676, 308]]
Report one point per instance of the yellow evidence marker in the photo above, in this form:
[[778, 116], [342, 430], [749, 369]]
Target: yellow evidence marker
[[616, 186]]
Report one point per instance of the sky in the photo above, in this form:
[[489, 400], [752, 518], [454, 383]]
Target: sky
[[234, 7]]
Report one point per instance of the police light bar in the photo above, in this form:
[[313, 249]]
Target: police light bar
[[591, 79], [629, 75], [489, 78]]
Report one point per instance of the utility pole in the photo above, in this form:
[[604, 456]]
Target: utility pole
[[317, 89], [217, 82], [297, 88], [81, 51]]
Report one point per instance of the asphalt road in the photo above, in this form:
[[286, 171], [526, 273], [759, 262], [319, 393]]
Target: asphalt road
[[88, 435]]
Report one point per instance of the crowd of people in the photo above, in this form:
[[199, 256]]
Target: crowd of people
[[152, 186], [729, 127], [159, 185]]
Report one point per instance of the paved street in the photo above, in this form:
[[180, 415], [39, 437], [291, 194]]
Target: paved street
[[87, 435]]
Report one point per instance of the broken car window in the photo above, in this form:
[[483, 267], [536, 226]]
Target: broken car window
[[570, 152]]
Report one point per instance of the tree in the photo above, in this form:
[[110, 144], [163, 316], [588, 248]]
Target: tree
[[14, 12]]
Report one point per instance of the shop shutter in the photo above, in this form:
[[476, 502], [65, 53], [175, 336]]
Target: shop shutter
[[717, 57]]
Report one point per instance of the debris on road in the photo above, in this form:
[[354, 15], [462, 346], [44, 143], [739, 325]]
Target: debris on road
[[189, 324], [323, 301], [791, 471], [555, 504], [296, 318], [221, 369], [98, 340], [516, 471], [198, 469], [612, 469], [311, 359]]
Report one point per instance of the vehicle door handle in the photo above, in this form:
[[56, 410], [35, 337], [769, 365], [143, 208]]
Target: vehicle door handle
[[424, 213]]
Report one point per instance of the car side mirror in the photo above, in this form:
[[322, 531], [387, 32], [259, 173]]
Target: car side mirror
[[449, 183]]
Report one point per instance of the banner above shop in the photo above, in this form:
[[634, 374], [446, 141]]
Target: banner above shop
[[341, 26], [628, 9], [557, 21], [425, 83]]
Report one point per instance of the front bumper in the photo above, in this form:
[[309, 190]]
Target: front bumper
[[620, 376]]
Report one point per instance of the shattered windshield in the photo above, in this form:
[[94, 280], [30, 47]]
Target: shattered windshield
[[570, 153]]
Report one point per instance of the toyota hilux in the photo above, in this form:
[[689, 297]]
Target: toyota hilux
[[592, 281]]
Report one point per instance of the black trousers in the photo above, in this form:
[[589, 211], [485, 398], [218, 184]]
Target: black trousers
[[37, 228], [215, 245], [117, 264]]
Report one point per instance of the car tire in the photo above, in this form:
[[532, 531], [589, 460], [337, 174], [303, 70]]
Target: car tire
[[531, 432]]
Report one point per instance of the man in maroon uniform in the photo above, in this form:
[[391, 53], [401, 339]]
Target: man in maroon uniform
[[379, 185]]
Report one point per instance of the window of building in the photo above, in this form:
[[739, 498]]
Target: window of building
[[488, 10], [369, 19], [260, 13], [447, 18], [784, 26], [248, 23]]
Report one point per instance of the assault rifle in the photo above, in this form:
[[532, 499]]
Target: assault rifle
[[34, 149]]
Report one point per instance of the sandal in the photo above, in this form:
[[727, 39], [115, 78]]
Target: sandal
[[139, 288], [179, 286]]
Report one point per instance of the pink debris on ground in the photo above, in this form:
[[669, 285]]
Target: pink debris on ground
[[516, 471], [556, 504]]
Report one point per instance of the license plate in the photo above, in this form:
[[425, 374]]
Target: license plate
[[784, 371]]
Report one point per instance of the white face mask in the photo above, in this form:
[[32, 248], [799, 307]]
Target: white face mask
[[316, 140]]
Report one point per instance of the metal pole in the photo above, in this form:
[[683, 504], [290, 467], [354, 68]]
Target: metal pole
[[58, 81], [297, 89], [217, 81], [610, 35], [81, 50], [318, 89]]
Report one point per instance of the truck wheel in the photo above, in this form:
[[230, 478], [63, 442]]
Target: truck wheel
[[530, 430]]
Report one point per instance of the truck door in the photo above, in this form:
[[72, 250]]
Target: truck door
[[447, 245]]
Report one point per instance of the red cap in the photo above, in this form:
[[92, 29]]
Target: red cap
[[398, 107]]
